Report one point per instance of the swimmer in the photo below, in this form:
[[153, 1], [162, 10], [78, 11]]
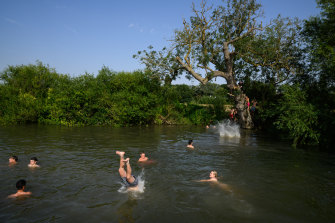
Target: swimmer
[[213, 177], [13, 160], [143, 158], [33, 162], [129, 180], [190, 144], [20, 185]]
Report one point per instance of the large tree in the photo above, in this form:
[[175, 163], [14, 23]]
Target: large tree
[[215, 41], [319, 32]]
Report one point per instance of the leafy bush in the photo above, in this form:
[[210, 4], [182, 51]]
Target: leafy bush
[[296, 116], [37, 94]]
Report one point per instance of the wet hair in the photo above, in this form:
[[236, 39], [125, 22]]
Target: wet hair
[[20, 184], [190, 141], [34, 158], [215, 173], [15, 158]]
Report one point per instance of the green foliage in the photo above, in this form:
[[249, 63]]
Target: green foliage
[[297, 116], [23, 91], [22, 108], [32, 79], [135, 98], [109, 99], [160, 65], [37, 94], [183, 104], [319, 78], [264, 92], [319, 33]]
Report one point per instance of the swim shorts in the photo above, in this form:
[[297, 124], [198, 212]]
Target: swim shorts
[[127, 184]]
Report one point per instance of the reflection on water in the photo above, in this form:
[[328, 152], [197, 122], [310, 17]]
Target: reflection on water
[[125, 211], [79, 181]]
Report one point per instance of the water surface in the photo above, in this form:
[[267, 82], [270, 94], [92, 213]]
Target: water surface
[[78, 179]]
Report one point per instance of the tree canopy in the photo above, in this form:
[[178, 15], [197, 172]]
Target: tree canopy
[[216, 42]]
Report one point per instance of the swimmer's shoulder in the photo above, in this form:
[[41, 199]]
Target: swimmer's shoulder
[[19, 194]]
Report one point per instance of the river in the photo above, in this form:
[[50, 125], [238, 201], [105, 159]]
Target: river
[[78, 180]]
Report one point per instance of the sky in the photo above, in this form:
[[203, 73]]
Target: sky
[[78, 36]]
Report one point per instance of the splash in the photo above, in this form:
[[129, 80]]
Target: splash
[[141, 187], [229, 129]]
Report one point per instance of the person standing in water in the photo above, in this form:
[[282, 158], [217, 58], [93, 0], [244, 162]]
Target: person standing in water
[[129, 180], [190, 144], [20, 185]]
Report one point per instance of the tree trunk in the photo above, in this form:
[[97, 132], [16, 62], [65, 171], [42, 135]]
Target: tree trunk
[[243, 112]]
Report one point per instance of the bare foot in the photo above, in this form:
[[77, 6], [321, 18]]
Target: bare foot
[[120, 153], [126, 160]]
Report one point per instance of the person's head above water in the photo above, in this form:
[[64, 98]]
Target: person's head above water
[[13, 159], [21, 184], [213, 174], [212, 177], [33, 162], [190, 144], [34, 159], [143, 157]]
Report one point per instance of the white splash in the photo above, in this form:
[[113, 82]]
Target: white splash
[[140, 187], [228, 128]]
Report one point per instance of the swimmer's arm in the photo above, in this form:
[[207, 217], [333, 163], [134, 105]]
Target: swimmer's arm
[[12, 196], [207, 180]]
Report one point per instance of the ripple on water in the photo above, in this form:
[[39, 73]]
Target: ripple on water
[[78, 178]]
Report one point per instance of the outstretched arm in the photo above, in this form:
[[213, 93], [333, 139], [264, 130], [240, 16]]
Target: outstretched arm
[[206, 180]]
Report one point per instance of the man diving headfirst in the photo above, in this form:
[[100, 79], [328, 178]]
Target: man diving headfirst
[[129, 180]]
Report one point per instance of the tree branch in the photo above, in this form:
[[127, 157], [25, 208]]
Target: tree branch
[[192, 72], [244, 35]]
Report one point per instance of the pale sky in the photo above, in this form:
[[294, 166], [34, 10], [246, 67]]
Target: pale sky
[[77, 36]]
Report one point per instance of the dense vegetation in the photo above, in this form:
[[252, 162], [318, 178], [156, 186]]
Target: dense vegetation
[[300, 108], [287, 65], [38, 94]]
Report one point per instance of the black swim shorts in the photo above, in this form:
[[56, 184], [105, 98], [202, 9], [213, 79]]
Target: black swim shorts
[[127, 184]]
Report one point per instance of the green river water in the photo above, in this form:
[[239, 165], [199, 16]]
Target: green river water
[[78, 179]]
